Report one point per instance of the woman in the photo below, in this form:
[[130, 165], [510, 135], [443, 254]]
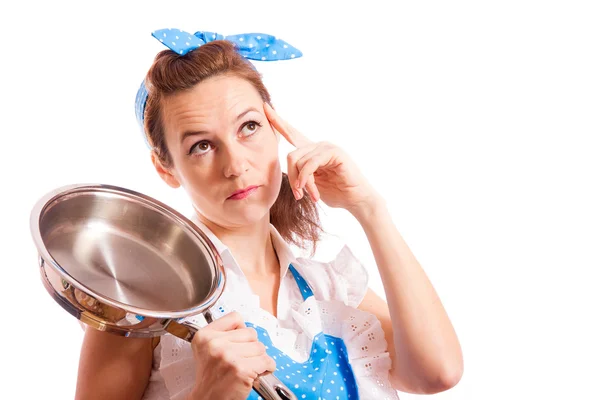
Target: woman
[[316, 326]]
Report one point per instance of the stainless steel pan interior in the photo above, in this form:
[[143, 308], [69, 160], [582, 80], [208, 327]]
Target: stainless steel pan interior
[[123, 262]]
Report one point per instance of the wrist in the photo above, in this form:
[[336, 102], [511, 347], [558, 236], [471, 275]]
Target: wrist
[[365, 211]]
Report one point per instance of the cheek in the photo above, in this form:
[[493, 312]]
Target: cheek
[[199, 181], [275, 179], [266, 147], [270, 151], [275, 171], [271, 165]]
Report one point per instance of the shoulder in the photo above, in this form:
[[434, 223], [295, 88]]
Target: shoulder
[[343, 278]]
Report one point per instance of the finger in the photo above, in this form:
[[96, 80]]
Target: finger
[[307, 179], [247, 350], [322, 151], [292, 135], [310, 163], [312, 189], [229, 322], [243, 335], [260, 364], [292, 169]]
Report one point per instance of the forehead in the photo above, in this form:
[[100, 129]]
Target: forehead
[[215, 99]]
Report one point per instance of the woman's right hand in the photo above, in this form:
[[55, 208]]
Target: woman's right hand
[[229, 358]]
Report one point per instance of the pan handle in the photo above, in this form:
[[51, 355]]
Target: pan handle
[[266, 385]]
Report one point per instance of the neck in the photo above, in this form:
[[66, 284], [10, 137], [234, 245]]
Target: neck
[[251, 245]]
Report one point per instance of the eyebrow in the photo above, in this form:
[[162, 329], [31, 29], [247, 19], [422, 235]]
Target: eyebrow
[[194, 133]]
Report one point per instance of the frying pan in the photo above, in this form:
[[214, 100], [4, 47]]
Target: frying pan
[[123, 262]]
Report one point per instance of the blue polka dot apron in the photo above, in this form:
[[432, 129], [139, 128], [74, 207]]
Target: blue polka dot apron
[[327, 374]]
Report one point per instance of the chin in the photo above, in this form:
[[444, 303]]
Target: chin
[[248, 215]]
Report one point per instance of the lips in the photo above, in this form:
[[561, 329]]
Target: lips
[[241, 192]]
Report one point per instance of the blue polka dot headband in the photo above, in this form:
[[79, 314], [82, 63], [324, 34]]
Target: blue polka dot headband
[[253, 46]]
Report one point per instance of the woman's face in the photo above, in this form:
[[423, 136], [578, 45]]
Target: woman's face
[[220, 142]]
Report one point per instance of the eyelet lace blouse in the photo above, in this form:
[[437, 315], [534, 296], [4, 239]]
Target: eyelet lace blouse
[[338, 286]]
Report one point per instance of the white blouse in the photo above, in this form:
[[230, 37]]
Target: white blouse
[[339, 286]]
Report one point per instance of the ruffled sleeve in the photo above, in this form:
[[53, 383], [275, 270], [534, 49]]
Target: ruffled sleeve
[[340, 286], [343, 279], [349, 276]]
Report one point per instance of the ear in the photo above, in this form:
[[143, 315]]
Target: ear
[[165, 173]]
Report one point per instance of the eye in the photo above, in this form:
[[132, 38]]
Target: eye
[[203, 146], [252, 127]]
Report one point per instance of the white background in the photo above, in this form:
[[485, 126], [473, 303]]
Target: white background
[[478, 122]]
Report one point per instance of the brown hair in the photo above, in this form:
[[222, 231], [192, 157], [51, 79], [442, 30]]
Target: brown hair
[[297, 221]]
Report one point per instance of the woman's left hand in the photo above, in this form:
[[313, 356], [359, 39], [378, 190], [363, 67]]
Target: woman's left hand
[[324, 170]]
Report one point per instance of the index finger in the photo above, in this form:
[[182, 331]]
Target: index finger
[[295, 138], [228, 322]]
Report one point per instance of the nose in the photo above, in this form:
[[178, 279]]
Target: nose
[[235, 162]]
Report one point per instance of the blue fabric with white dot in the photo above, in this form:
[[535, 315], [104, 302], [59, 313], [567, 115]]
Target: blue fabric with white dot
[[327, 374], [253, 46]]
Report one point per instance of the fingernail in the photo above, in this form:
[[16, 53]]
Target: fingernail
[[295, 194]]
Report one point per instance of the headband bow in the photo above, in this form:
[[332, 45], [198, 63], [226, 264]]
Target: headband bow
[[253, 46]]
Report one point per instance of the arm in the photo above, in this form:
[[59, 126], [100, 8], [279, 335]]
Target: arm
[[425, 352], [113, 367], [427, 357]]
